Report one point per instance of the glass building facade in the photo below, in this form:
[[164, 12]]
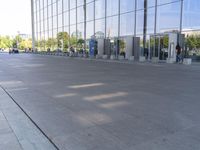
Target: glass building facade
[[65, 23]]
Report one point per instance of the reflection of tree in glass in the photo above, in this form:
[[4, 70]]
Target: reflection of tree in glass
[[193, 43]]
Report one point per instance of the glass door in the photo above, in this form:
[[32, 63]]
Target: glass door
[[163, 47]]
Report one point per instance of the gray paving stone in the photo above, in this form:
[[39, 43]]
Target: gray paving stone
[[133, 105], [8, 141]]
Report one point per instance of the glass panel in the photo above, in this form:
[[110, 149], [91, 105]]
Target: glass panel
[[127, 5], [80, 2], [90, 11], [72, 16], [60, 20], [80, 31], [168, 17], [112, 7], [191, 14], [80, 14], [150, 20], [54, 9], [90, 29], [140, 22], [127, 24], [66, 18], [65, 5], [161, 2], [60, 6], [112, 27], [140, 4], [72, 4], [100, 28], [100, 9]]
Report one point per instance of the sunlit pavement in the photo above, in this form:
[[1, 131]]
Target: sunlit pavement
[[93, 105]]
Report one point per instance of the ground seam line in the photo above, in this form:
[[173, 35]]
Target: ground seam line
[[55, 146]]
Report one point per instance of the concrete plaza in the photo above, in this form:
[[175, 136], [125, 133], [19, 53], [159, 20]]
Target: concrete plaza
[[74, 104]]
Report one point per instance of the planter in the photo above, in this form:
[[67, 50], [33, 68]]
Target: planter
[[105, 56], [112, 57], [98, 56], [131, 58], [142, 59], [154, 59], [171, 60], [121, 57], [187, 61]]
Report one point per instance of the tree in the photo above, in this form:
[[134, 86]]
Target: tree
[[16, 41], [25, 44], [51, 43], [80, 43], [6, 42], [63, 40]]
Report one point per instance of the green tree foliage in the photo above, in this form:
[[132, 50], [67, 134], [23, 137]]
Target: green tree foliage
[[25, 44], [16, 41], [193, 41], [6, 42], [52, 43], [80, 43], [63, 40]]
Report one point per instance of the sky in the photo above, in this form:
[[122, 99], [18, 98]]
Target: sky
[[15, 15]]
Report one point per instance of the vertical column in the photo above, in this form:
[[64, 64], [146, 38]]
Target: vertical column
[[44, 40], [135, 23], [155, 29], [84, 7], [69, 23], [119, 11], [33, 27], [76, 24], [105, 18], [94, 19], [40, 22], [57, 24], [62, 16], [48, 19], [181, 24], [181, 17], [117, 52], [52, 21], [145, 25]]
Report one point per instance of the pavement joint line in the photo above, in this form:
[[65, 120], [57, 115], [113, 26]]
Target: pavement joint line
[[12, 130], [48, 138]]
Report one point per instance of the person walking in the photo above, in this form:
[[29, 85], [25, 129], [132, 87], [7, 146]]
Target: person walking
[[178, 53]]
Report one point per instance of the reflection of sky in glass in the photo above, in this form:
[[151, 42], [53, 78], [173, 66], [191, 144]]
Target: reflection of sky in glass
[[168, 16]]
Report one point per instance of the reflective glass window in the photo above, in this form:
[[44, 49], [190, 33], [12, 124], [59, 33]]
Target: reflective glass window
[[100, 28], [100, 9], [80, 30], [112, 27], [168, 17], [80, 14], [127, 24], [112, 7], [191, 14], [66, 18], [72, 4], [65, 5], [72, 16], [90, 11], [80, 2], [127, 6], [89, 29]]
